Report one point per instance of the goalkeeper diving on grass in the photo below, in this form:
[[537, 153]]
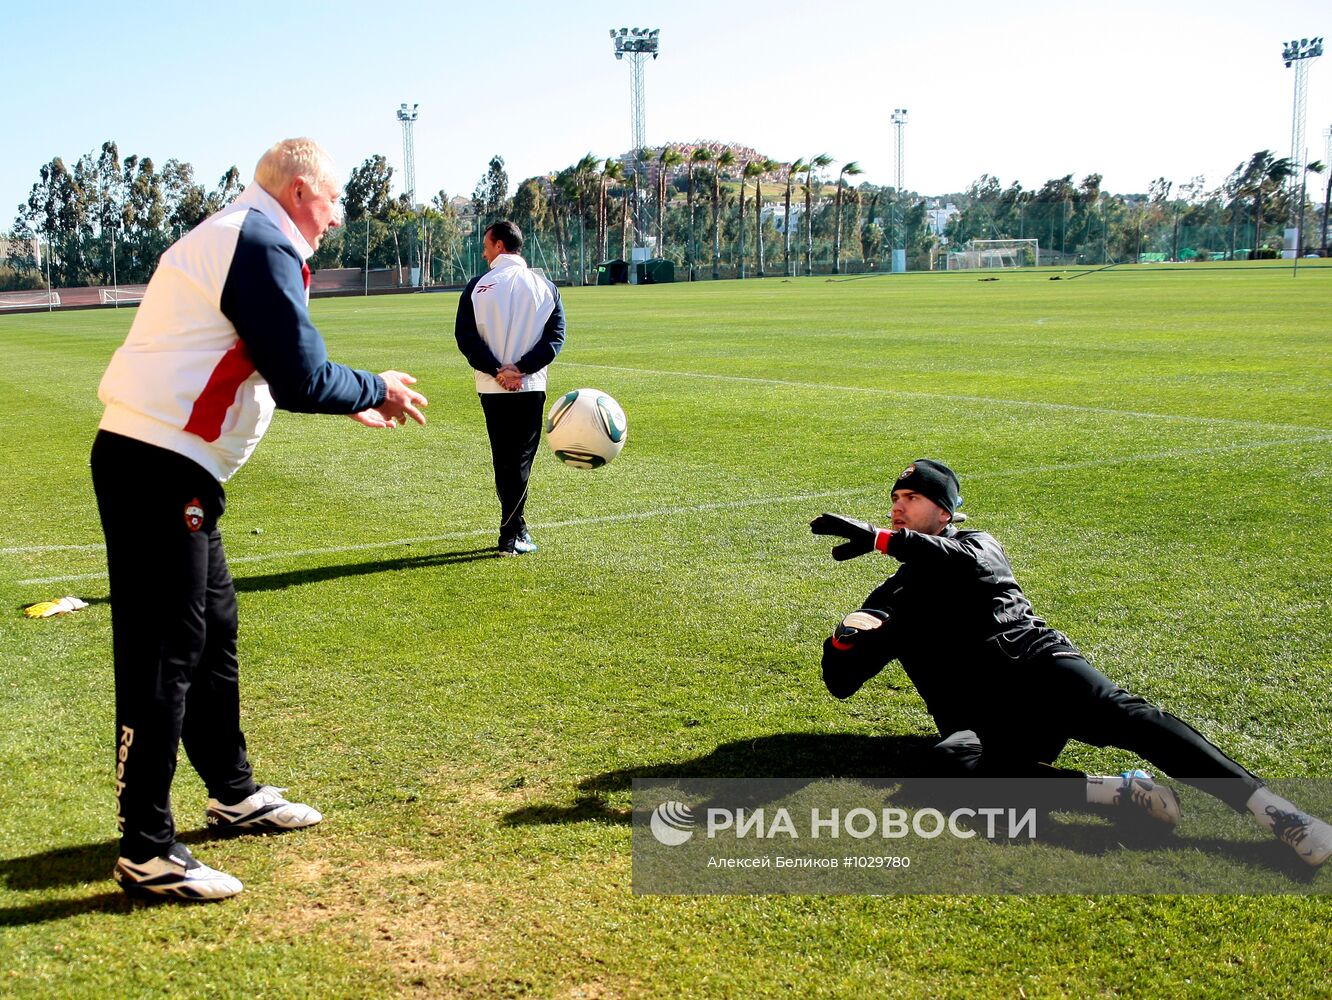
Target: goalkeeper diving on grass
[[1006, 690]]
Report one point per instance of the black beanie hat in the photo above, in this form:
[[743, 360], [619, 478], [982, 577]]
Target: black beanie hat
[[933, 480]]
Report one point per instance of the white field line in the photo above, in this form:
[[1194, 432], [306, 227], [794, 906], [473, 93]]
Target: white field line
[[1159, 456], [957, 398]]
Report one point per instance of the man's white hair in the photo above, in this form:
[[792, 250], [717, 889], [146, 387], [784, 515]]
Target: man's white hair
[[293, 158]]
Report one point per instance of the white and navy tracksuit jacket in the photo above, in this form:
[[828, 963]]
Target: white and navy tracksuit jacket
[[222, 336], [510, 315]]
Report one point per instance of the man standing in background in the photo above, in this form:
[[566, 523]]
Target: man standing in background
[[510, 327]]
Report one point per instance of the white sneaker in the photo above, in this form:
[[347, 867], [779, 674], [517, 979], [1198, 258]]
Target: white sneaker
[[1140, 792], [265, 810], [1306, 835], [176, 875]]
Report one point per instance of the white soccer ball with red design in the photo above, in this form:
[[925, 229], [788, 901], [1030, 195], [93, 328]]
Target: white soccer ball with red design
[[586, 428]]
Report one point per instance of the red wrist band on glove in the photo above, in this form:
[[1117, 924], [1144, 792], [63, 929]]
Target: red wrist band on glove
[[840, 645], [881, 540]]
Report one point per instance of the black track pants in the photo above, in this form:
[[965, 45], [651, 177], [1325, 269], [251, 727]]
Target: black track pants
[[513, 421], [173, 623], [1062, 697]]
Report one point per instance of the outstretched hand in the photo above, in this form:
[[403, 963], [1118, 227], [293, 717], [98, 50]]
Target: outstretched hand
[[861, 536], [400, 402]]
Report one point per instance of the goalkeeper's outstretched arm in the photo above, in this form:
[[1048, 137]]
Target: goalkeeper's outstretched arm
[[858, 649]]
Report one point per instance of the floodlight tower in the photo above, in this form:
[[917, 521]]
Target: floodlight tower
[[1327, 192], [899, 121], [637, 44], [1299, 53], [407, 116]]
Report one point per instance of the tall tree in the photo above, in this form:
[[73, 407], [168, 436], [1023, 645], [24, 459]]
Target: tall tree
[[528, 208], [724, 161], [667, 161], [490, 200], [751, 168], [815, 163], [583, 177], [848, 170], [764, 166], [697, 157], [611, 170], [626, 215], [369, 190], [791, 171], [1263, 177]]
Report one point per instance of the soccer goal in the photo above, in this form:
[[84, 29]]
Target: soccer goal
[[26, 300], [125, 293], [995, 253]]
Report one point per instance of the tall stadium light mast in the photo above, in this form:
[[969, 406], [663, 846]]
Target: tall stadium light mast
[[407, 116], [899, 121], [1299, 53], [637, 44], [1327, 191]]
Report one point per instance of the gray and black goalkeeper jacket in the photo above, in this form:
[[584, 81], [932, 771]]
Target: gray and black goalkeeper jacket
[[959, 624]]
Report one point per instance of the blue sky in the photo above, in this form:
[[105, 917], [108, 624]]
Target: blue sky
[[1024, 91]]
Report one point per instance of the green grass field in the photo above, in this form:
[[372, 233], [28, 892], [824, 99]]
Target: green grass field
[[1154, 449]]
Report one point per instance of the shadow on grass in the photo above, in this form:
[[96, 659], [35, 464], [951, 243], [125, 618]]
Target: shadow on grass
[[903, 763], [318, 574], [73, 866], [811, 756]]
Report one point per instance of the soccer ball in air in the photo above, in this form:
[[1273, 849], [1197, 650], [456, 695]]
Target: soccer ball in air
[[586, 428]]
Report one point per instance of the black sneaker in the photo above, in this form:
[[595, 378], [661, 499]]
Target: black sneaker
[[175, 875], [520, 546]]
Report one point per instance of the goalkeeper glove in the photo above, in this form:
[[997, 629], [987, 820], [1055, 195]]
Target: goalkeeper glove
[[861, 536], [46, 609], [856, 626]]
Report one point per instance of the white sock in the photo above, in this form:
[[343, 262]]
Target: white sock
[[1102, 789]]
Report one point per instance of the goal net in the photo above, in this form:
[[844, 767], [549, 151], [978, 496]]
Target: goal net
[[22, 300], [125, 293], [995, 253]]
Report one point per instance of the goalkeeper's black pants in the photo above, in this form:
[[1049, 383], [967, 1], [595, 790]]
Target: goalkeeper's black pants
[[513, 421], [173, 625], [1027, 720]]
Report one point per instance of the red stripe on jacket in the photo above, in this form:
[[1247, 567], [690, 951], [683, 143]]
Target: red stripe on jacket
[[210, 409]]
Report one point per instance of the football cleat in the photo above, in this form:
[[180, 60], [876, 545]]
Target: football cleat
[[264, 811], [1144, 796], [520, 546], [175, 875], [1306, 835]]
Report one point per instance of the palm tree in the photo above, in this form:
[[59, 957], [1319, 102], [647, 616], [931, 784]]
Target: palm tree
[[630, 222], [560, 185], [584, 172], [815, 163], [850, 169], [752, 168], [611, 170], [1263, 175], [670, 157], [700, 155], [791, 172], [765, 166], [725, 159]]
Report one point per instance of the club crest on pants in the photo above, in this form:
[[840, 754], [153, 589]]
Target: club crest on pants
[[194, 515]]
